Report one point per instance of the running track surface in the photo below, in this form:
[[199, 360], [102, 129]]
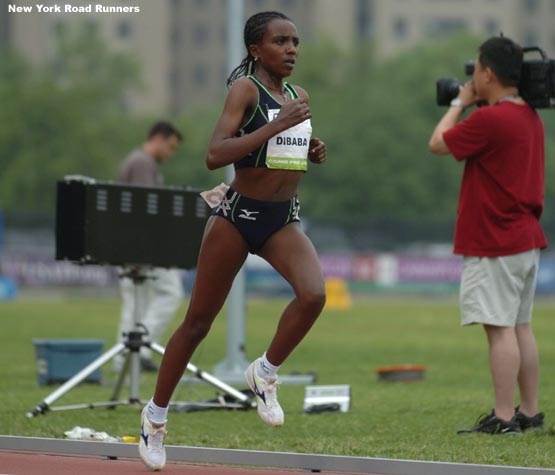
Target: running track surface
[[25, 463]]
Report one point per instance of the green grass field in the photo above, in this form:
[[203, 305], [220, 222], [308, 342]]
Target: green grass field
[[392, 420]]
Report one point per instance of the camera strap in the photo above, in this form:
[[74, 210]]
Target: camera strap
[[508, 98]]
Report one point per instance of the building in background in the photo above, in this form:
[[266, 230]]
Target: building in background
[[145, 35], [398, 24], [181, 45]]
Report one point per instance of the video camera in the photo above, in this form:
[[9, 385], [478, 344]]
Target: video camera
[[537, 82]]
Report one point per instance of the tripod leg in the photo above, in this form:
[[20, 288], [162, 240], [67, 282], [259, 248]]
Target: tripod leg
[[134, 375], [75, 380], [121, 378], [211, 379]]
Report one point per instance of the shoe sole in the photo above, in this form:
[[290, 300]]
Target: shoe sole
[[532, 429], [468, 432], [149, 465]]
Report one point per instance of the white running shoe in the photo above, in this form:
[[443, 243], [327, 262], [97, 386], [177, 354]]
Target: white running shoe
[[265, 391], [151, 444]]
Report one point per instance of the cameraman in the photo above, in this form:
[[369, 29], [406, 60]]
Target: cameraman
[[498, 230]]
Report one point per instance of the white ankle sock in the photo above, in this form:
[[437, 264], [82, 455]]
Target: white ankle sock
[[265, 369], [156, 414]]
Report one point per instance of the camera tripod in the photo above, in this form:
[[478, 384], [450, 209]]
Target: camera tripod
[[130, 347]]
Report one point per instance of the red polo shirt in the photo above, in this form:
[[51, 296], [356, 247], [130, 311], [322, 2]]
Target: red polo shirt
[[502, 191]]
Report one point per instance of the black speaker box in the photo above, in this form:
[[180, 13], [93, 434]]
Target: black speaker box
[[110, 224]]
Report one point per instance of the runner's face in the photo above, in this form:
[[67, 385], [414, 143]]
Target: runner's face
[[279, 48]]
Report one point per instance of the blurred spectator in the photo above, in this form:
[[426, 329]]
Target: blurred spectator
[[160, 294]]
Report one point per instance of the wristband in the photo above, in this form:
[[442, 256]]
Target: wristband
[[457, 103]]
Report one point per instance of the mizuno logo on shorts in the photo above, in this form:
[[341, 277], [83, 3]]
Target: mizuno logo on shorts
[[246, 214]]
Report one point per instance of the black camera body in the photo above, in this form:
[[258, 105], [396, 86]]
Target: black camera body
[[537, 82]]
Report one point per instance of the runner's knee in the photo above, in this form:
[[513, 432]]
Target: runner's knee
[[195, 330], [312, 301]]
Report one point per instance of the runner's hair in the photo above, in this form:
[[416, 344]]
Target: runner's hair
[[255, 27]]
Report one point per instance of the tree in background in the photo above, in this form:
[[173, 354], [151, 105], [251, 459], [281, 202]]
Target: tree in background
[[68, 117], [375, 116]]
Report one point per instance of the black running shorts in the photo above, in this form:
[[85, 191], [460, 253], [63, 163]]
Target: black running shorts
[[256, 220]]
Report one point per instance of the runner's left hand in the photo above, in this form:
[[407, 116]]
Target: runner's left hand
[[317, 151]]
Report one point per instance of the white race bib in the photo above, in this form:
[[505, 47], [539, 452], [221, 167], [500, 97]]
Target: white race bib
[[289, 149]]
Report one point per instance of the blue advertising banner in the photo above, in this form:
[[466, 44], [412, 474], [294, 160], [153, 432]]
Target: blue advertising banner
[[546, 276]]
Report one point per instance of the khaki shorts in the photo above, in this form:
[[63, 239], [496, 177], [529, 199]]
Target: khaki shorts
[[499, 290]]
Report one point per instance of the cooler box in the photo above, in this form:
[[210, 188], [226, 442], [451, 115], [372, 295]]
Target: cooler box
[[59, 360], [8, 288]]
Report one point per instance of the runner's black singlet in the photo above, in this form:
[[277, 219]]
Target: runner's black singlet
[[294, 140]]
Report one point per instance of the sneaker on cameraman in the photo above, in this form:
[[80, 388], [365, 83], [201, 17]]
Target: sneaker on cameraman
[[528, 423], [265, 391], [491, 424], [151, 443]]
